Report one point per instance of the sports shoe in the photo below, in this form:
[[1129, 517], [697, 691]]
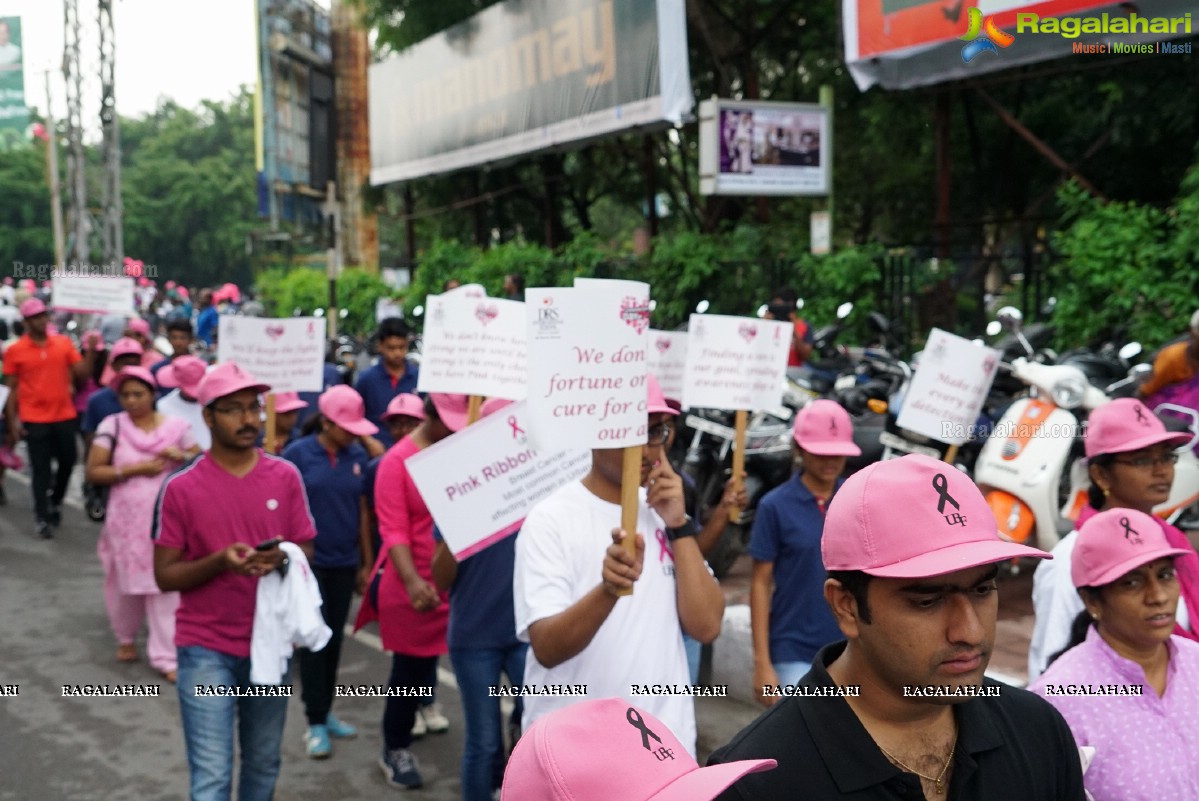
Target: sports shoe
[[55, 515], [435, 721], [44, 531], [316, 742], [400, 769], [419, 728], [340, 729]]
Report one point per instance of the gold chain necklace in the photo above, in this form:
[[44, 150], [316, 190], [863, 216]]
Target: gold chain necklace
[[940, 777]]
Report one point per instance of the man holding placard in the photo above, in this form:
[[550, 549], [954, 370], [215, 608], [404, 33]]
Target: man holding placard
[[571, 573]]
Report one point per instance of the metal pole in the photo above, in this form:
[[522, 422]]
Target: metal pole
[[76, 163], [60, 248]]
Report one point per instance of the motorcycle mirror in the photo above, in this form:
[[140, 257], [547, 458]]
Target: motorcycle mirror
[[418, 311], [1140, 372], [1131, 350], [702, 307], [653, 304], [798, 304], [318, 312], [344, 313], [978, 341], [762, 310], [1010, 318], [843, 310], [72, 325], [993, 328], [297, 312]]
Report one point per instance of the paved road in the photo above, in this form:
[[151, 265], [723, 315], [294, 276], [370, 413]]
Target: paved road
[[54, 631]]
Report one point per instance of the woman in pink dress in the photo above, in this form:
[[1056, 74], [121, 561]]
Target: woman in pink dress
[[132, 453]]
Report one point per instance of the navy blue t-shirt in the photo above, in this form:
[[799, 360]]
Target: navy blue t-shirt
[[334, 485], [376, 388], [788, 526], [481, 608], [101, 404]]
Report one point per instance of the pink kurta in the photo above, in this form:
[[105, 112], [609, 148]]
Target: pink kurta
[[125, 545]]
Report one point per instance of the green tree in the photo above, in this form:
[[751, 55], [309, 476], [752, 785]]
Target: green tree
[[25, 229]]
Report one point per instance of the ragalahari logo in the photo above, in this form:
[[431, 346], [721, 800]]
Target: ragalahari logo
[[983, 36]]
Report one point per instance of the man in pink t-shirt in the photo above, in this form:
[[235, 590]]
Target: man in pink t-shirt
[[211, 520]]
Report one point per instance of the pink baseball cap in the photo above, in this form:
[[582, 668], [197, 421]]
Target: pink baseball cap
[[31, 307], [185, 372], [125, 347], [97, 339], [493, 405], [140, 373], [608, 750], [1126, 424], [657, 399], [225, 379], [1114, 542], [138, 326], [405, 404], [288, 402], [824, 429], [343, 406], [451, 409], [910, 518]]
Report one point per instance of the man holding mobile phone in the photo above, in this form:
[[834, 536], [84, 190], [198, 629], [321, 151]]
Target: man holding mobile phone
[[213, 553]]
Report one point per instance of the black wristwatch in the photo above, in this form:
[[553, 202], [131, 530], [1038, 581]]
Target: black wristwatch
[[688, 529]]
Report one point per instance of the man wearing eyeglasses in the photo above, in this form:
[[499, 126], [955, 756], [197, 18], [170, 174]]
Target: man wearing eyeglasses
[[570, 569], [211, 518]]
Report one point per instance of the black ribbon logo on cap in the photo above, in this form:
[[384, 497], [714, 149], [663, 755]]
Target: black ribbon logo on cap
[[1130, 533], [1140, 410], [832, 426], [941, 485], [635, 720]]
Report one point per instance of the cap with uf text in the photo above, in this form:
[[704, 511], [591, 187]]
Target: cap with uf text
[[910, 518], [1114, 542], [607, 750]]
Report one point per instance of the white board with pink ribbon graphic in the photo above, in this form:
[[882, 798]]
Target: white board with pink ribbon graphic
[[667, 360], [288, 353], [587, 364], [735, 362], [480, 483], [474, 346]]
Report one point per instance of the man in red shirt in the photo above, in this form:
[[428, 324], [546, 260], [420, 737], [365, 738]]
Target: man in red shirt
[[42, 371]]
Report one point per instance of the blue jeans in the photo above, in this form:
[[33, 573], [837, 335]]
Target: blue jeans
[[476, 671], [790, 673], [208, 724], [694, 650]]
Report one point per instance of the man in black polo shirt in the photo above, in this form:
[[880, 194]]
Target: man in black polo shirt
[[902, 710]]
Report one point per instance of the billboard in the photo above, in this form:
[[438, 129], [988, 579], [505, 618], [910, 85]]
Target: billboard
[[14, 116], [754, 147], [900, 44], [524, 76]]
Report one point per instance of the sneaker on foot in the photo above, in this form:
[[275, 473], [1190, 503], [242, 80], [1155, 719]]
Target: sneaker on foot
[[400, 768], [316, 742], [419, 728], [55, 515], [435, 721], [340, 729], [44, 530]]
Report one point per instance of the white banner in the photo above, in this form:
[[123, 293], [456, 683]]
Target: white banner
[[288, 353], [587, 364], [667, 359], [480, 483], [474, 346], [735, 362], [950, 386], [92, 294]]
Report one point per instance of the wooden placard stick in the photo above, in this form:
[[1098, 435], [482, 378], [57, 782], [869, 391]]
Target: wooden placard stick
[[268, 441], [742, 424], [473, 406], [951, 453], [630, 483]]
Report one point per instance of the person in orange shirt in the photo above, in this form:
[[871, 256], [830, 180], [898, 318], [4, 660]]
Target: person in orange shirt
[[42, 371], [1175, 363]]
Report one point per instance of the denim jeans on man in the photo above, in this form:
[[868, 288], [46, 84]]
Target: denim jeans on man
[[209, 723], [477, 670]]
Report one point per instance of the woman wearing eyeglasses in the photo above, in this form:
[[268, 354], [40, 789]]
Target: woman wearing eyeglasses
[[1130, 459], [1126, 685]]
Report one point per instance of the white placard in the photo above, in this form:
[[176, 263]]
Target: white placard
[[288, 353], [4, 390], [667, 360], [949, 388], [735, 362], [587, 364], [474, 346], [94, 294], [480, 483], [466, 291]]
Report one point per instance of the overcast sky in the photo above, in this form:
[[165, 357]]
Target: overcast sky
[[185, 51]]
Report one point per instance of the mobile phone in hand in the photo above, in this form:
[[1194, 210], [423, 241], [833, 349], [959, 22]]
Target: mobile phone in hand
[[269, 544]]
